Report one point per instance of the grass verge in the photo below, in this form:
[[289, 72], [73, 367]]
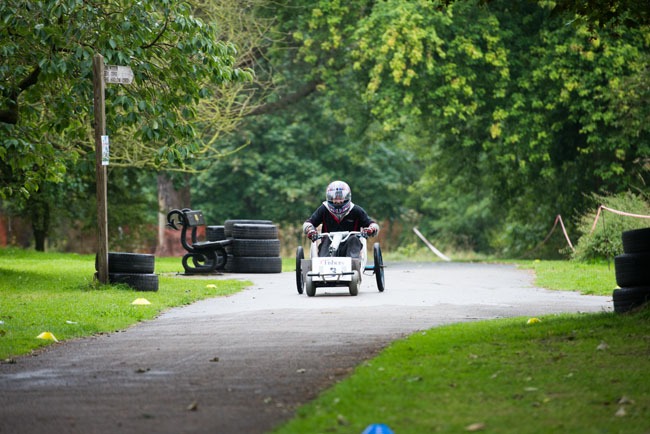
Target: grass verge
[[50, 292], [588, 279], [587, 373], [566, 373]]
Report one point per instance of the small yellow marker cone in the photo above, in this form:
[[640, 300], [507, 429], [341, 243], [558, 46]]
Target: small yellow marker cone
[[141, 301], [48, 336], [212, 285], [533, 321]]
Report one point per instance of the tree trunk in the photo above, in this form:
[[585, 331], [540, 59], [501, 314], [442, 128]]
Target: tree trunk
[[39, 213], [170, 196]]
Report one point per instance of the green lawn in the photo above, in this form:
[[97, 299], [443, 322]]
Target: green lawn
[[564, 374], [50, 292], [588, 279]]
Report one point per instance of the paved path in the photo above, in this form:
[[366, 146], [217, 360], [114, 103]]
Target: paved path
[[242, 364]]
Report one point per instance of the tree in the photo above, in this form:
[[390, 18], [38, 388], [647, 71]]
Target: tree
[[512, 109], [46, 76]]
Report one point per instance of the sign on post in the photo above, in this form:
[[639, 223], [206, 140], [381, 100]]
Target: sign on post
[[118, 74]]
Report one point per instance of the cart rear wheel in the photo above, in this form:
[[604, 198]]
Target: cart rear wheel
[[379, 267], [300, 255]]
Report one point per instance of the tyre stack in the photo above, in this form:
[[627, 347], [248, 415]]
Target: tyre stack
[[633, 271], [132, 269], [218, 233], [255, 246]]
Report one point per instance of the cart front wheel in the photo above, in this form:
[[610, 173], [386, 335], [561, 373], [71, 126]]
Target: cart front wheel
[[310, 287], [379, 267], [300, 283], [354, 284]]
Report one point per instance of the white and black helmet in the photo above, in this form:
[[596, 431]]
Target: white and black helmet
[[338, 198]]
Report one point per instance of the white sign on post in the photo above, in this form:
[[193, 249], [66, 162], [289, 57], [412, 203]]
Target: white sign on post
[[105, 151], [118, 74]]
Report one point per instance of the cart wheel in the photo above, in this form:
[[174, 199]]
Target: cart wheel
[[354, 283], [300, 255], [379, 267], [310, 288]]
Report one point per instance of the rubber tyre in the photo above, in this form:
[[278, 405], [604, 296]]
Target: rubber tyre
[[215, 233], [139, 282], [310, 288], [300, 255], [120, 262], [256, 264], [354, 284], [246, 247], [379, 267], [229, 224], [626, 299], [632, 269], [255, 231], [229, 264], [636, 240]]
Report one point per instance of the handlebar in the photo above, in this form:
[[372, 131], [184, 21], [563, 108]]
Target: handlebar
[[344, 235]]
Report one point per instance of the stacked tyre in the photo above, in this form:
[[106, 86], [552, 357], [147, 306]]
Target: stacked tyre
[[218, 233], [133, 269], [255, 247], [633, 271]]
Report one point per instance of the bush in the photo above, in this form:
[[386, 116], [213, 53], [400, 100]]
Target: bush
[[604, 242]]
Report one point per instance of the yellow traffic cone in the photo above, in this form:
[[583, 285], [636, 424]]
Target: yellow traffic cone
[[141, 301], [48, 336]]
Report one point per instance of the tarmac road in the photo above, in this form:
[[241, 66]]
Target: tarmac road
[[242, 364]]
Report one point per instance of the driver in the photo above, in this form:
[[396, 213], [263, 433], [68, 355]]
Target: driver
[[336, 214]]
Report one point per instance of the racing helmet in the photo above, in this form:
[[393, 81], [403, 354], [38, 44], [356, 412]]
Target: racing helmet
[[338, 198]]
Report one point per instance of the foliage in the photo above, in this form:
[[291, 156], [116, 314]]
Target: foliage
[[479, 121], [46, 75], [287, 162], [601, 239], [569, 373], [514, 119], [56, 293]]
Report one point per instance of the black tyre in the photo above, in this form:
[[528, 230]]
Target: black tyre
[[215, 233], [354, 284], [636, 241], [379, 267], [230, 259], [632, 269], [626, 299], [251, 264], [229, 224], [254, 231], [120, 262], [139, 282], [310, 288], [300, 255], [245, 247]]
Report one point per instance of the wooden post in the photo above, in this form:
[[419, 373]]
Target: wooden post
[[100, 174]]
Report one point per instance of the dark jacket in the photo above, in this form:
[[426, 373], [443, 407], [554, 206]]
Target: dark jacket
[[356, 219]]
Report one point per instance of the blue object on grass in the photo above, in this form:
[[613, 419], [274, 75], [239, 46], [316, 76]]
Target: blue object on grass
[[377, 428]]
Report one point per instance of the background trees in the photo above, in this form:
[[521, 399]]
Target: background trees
[[478, 121], [46, 87]]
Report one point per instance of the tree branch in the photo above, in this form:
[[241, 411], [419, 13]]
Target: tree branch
[[287, 100], [10, 115]]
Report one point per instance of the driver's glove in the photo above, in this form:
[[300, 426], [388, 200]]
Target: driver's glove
[[371, 230], [310, 231], [312, 235]]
